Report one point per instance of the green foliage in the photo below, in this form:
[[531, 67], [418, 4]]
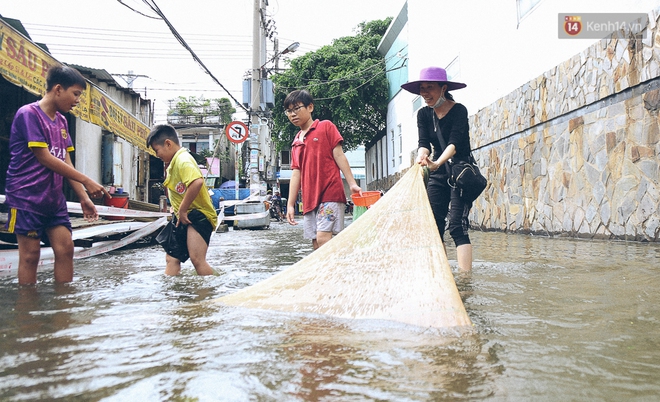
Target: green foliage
[[194, 110], [347, 80]]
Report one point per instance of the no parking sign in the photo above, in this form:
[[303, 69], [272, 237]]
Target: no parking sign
[[237, 132]]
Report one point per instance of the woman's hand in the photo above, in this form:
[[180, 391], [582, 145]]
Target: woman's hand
[[424, 160], [433, 166]]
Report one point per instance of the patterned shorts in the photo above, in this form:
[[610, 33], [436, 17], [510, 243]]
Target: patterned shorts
[[328, 217]]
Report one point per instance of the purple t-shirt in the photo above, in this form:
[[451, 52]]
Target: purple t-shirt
[[30, 185]]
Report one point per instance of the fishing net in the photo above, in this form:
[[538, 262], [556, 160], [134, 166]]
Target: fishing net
[[389, 264]]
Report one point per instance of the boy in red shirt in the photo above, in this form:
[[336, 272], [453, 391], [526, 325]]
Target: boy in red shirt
[[316, 160]]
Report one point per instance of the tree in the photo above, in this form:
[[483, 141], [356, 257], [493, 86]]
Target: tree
[[194, 110], [347, 80]]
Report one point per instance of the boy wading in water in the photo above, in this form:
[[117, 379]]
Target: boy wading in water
[[39, 146], [317, 159], [194, 214]]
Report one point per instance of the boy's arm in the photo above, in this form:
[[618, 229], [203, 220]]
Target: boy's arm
[[342, 162], [191, 193], [294, 187], [89, 209], [67, 170]]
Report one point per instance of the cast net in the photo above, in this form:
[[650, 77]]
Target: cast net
[[390, 264]]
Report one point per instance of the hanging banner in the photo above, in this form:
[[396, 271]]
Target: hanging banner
[[104, 112], [25, 64], [22, 62]]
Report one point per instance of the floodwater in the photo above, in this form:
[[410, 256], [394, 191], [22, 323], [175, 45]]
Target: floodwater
[[555, 319]]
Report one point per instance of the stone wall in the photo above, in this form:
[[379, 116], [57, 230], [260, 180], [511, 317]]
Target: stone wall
[[575, 151]]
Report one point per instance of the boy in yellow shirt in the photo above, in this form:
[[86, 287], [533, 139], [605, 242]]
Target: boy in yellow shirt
[[194, 214]]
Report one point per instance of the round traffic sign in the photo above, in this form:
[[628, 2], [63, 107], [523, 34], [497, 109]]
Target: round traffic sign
[[237, 132]]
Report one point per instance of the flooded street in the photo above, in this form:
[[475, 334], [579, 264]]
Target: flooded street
[[555, 319]]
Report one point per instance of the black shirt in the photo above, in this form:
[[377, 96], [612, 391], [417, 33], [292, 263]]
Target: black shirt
[[455, 130]]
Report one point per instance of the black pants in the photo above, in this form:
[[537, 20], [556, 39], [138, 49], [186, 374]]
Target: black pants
[[447, 205]]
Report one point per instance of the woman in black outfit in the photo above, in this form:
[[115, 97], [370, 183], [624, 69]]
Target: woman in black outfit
[[442, 116]]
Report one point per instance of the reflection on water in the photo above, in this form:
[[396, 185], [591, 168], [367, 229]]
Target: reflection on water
[[554, 318]]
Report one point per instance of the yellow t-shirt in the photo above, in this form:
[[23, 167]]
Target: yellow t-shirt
[[182, 171]]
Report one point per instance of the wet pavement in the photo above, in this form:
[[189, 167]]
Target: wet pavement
[[554, 319]]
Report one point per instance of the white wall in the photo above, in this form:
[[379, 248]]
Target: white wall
[[400, 111], [89, 140], [88, 149], [496, 56]]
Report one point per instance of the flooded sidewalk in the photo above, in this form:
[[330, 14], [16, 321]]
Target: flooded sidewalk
[[554, 319]]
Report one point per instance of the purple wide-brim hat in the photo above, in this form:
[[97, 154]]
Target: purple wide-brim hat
[[436, 74]]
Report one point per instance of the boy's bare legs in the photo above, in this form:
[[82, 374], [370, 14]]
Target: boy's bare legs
[[321, 239], [197, 248], [62, 244], [29, 252], [172, 265]]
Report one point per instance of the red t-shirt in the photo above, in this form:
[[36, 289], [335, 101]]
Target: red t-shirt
[[320, 177]]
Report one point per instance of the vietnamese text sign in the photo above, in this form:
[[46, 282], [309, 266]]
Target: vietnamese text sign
[[601, 25], [25, 64], [22, 62]]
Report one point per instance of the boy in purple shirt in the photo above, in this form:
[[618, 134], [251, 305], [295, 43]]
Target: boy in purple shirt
[[39, 146]]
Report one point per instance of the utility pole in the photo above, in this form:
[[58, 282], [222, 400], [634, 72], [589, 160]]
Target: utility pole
[[130, 77], [255, 100]]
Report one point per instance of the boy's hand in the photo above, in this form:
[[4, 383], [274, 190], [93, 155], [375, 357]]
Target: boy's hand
[[356, 189], [183, 218], [290, 215], [89, 210], [96, 190]]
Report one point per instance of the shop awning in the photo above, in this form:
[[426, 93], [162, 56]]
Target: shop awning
[[25, 64]]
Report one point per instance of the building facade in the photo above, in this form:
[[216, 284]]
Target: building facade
[[564, 129], [109, 126]]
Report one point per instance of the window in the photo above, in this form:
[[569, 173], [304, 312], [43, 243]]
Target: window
[[285, 158], [400, 144], [454, 70], [393, 149], [525, 7], [417, 103]]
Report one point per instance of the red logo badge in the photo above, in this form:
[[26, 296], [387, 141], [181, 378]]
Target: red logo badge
[[180, 188], [572, 24]]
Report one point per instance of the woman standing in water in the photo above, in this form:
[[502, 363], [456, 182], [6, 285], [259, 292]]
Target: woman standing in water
[[443, 126]]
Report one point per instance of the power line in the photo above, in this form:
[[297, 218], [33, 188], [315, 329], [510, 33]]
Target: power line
[[136, 11], [116, 32], [154, 7]]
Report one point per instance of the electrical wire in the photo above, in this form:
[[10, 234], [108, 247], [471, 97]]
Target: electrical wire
[[154, 6], [136, 11]]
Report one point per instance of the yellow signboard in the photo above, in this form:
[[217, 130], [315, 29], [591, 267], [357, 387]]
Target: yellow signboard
[[109, 115], [22, 62], [25, 64]]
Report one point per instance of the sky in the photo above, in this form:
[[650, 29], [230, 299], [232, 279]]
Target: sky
[[107, 34]]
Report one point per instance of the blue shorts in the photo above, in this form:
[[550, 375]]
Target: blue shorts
[[34, 225]]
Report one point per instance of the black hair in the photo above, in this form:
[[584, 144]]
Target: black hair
[[449, 96], [160, 133], [65, 76], [296, 97]]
